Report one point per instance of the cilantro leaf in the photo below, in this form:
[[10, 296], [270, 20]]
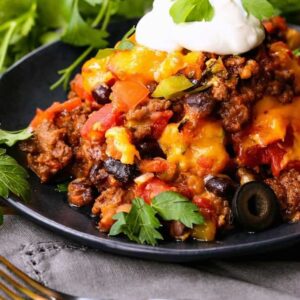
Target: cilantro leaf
[[139, 225], [120, 225], [261, 9], [173, 206], [80, 33], [13, 177], [10, 138], [191, 10]]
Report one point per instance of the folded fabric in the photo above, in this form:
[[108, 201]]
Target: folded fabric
[[65, 266]]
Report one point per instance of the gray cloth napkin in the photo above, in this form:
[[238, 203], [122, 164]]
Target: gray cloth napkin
[[61, 264]]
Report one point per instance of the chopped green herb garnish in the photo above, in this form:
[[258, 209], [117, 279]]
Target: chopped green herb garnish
[[141, 224], [191, 11], [13, 177]]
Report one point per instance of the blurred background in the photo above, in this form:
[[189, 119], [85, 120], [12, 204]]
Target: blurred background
[[28, 24]]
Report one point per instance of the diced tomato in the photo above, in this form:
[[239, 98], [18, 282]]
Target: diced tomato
[[157, 165], [276, 23], [152, 188], [205, 207], [273, 155], [128, 94], [77, 87], [160, 122], [54, 109], [206, 163], [99, 122]]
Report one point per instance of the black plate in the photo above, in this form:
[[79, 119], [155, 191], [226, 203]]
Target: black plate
[[24, 88]]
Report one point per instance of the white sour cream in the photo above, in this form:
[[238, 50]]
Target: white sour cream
[[231, 31]]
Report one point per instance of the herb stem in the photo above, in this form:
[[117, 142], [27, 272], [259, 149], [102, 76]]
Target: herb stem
[[67, 73], [6, 42], [107, 17], [100, 14]]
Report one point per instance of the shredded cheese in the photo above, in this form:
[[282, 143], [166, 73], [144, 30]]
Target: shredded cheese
[[121, 145]]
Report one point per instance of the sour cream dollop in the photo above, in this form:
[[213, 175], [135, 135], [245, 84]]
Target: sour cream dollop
[[231, 31]]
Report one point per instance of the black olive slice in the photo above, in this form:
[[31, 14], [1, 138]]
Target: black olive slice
[[255, 206]]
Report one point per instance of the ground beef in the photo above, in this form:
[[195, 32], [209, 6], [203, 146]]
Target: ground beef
[[139, 120], [287, 189], [234, 115], [47, 152], [73, 122], [80, 192], [85, 156]]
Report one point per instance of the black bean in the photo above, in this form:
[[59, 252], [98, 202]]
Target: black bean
[[176, 229], [149, 149], [221, 186], [101, 94], [202, 102], [122, 172]]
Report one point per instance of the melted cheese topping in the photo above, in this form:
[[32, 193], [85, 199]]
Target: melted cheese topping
[[141, 64], [202, 153], [270, 124], [121, 145]]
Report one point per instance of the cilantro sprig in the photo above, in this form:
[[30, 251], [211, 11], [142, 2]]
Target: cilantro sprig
[[141, 224], [191, 11], [13, 177], [184, 11]]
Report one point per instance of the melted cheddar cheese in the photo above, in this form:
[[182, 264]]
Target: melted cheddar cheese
[[201, 154], [119, 145], [271, 121], [140, 64]]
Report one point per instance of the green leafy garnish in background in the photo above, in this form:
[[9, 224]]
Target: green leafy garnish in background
[[10, 138], [261, 9], [141, 224], [28, 24]]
